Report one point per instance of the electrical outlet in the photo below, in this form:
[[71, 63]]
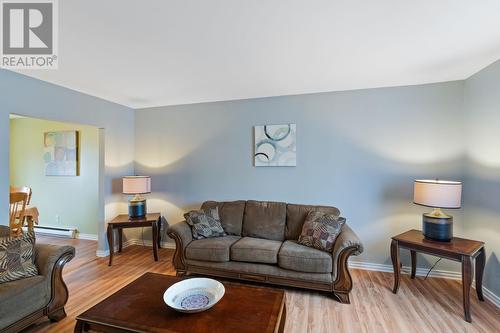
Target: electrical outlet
[[57, 219]]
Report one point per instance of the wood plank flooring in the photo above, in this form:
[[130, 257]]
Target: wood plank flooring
[[433, 305]]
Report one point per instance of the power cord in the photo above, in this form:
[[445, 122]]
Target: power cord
[[432, 268]]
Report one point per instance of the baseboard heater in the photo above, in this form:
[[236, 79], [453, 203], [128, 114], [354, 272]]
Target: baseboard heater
[[69, 232]]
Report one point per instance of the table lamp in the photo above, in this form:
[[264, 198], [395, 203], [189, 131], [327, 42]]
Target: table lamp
[[136, 186], [437, 194]]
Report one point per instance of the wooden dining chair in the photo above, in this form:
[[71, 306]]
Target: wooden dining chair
[[28, 220], [16, 213], [23, 189]]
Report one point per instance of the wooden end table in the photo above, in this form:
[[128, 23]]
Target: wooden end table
[[124, 221], [458, 249], [139, 307]]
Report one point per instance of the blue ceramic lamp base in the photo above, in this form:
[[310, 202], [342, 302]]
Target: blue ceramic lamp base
[[137, 209], [437, 228]]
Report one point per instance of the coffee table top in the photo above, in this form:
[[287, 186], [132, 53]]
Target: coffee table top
[[139, 307]]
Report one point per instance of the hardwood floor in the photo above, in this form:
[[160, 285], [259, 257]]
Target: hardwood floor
[[433, 305]]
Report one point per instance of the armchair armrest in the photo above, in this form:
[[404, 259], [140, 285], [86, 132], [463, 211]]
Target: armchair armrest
[[4, 231], [181, 233], [346, 244], [48, 255], [50, 260]]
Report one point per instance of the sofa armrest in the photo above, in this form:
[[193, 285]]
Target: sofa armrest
[[50, 260], [346, 239], [181, 233], [346, 245]]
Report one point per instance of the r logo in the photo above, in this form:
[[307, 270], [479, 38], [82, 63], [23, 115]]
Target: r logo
[[27, 28]]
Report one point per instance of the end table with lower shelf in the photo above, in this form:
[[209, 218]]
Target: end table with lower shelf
[[123, 221], [458, 249]]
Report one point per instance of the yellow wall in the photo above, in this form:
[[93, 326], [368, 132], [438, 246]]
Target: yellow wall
[[62, 201]]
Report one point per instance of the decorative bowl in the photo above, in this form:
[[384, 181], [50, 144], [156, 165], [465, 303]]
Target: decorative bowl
[[194, 295]]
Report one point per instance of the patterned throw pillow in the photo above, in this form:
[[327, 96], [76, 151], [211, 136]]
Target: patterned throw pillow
[[320, 230], [205, 223], [17, 258]]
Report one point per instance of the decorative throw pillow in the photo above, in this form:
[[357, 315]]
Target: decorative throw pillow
[[205, 223], [17, 258], [320, 230]]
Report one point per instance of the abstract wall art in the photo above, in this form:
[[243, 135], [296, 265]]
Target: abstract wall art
[[61, 153], [275, 145]]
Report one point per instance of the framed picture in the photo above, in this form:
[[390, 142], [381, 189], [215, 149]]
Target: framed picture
[[61, 152], [275, 145]]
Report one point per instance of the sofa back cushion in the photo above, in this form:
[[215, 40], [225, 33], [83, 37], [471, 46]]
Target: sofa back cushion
[[230, 213], [296, 215], [205, 223], [265, 219]]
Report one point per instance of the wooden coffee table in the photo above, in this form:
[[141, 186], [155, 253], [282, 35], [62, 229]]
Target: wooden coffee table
[[139, 307]]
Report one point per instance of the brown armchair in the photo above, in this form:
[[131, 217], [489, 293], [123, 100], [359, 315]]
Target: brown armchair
[[24, 301]]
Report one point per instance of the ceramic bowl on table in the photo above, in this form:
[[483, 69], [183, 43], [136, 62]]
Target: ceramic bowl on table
[[194, 295]]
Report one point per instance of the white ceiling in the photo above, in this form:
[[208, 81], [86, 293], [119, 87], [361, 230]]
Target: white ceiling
[[152, 53]]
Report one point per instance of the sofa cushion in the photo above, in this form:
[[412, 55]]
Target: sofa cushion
[[211, 249], [320, 230], [205, 223], [231, 214], [274, 273], [301, 258], [264, 219], [296, 215], [23, 297], [256, 250], [17, 258]]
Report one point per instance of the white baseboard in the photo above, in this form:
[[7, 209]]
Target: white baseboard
[[488, 294], [405, 269], [164, 245], [128, 242], [105, 253], [102, 253], [93, 237]]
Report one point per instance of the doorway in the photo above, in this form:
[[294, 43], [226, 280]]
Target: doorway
[[62, 164]]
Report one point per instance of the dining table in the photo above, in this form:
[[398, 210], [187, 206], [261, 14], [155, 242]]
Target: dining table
[[31, 215]]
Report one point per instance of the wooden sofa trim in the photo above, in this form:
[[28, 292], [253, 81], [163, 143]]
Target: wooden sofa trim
[[343, 282], [254, 277], [178, 258], [59, 290]]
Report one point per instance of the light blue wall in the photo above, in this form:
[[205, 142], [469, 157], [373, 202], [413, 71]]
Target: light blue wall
[[357, 150], [26, 96], [4, 162], [482, 171]]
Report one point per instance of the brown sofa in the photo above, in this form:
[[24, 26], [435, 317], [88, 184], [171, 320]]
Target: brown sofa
[[24, 301], [261, 245]]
